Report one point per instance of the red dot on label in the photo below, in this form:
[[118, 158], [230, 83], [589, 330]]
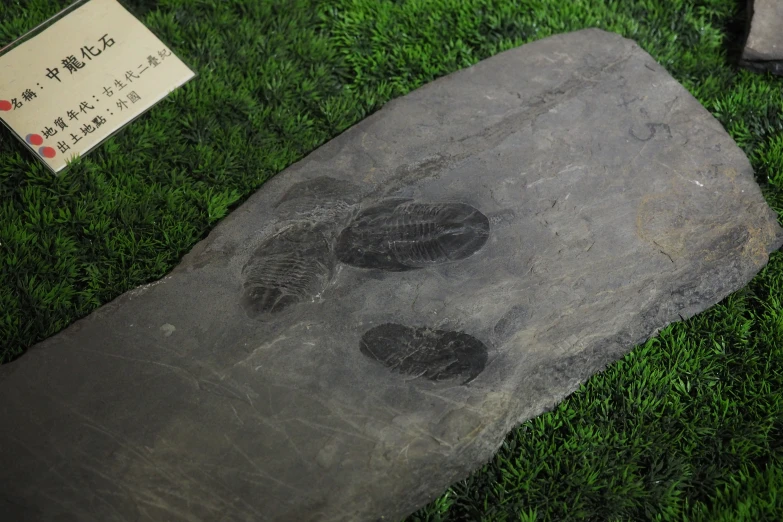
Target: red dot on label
[[5, 105], [34, 139], [47, 152]]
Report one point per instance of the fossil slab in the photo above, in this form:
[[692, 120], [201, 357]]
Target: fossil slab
[[764, 44], [368, 326]]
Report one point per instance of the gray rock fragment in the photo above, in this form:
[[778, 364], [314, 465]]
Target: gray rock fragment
[[764, 44], [530, 219]]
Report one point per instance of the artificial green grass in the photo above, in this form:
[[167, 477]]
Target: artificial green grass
[[689, 426]]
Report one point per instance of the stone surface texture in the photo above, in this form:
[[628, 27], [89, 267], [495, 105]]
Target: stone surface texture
[[366, 329], [764, 45]]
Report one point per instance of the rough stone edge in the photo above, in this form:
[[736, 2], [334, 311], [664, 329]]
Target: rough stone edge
[[770, 66]]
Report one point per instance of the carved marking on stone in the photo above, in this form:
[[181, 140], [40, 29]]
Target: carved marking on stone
[[652, 129]]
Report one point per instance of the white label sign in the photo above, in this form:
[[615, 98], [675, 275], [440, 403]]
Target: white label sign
[[82, 79]]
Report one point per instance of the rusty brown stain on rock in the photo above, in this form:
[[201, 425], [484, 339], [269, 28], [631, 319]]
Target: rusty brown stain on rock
[[661, 221]]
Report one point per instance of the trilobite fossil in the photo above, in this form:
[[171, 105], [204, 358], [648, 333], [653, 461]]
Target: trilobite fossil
[[401, 234], [436, 355], [292, 266], [322, 191]]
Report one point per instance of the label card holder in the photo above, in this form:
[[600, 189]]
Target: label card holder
[[83, 78]]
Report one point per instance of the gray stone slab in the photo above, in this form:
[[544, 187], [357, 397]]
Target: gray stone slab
[[366, 328], [764, 44]]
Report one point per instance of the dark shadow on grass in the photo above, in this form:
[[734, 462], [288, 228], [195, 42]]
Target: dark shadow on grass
[[736, 32]]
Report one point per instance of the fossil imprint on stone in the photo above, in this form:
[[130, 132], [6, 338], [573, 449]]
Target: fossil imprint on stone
[[293, 265], [402, 234], [395, 234], [323, 193], [423, 352]]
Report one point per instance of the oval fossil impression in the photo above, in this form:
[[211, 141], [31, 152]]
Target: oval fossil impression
[[436, 355], [290, 267], [401, 234]]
